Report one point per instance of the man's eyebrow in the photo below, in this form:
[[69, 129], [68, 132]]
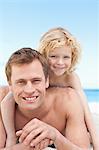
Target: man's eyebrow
[[18, 80], [34, 78]]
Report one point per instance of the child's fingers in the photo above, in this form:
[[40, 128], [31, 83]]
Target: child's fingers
[[18, 133]]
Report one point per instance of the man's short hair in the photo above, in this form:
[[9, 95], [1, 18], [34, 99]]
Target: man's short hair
[[25, 56]]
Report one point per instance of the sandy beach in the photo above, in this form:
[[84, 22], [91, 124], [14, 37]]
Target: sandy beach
[[94, 107]]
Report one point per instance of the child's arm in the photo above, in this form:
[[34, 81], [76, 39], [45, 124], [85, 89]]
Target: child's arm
[[75, 83], [7, 111], [3, 92]]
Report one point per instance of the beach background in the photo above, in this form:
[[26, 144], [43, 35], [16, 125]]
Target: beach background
[[23, 22]]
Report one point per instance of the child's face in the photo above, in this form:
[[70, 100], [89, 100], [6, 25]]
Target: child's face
[[60, 60]]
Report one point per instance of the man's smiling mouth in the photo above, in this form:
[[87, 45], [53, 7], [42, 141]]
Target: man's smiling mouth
[[30, 98]]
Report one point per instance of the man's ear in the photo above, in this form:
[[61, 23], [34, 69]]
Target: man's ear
[[47, 82], [10, 87]]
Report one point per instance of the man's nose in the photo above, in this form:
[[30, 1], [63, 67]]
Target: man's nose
[[29, 88]]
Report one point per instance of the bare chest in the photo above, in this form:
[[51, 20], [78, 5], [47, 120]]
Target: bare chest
[[54, 119]]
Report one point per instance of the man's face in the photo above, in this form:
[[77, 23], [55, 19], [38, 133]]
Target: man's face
[[28, 85]]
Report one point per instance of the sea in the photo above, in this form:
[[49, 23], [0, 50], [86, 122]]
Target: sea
[[92, 95], [93, 100]]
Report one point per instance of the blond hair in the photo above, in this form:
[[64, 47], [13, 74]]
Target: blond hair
[[58, 37]]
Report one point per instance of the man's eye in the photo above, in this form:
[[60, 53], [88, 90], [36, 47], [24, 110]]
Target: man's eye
[[21, 83], [36, 81]]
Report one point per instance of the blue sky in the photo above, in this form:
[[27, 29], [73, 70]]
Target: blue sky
[[22, 22]]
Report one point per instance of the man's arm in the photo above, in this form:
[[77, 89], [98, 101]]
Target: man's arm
[[37, 130], [75, 83], [75, 132]]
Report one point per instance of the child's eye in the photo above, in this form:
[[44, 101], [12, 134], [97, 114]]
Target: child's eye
[[66, 56], [52, 56]]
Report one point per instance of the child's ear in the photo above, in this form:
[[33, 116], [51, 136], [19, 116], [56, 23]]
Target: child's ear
[[47, 82]]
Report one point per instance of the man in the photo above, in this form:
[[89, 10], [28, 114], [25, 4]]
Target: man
[[42, 116]]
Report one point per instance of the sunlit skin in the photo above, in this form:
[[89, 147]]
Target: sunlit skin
[[37, 108], [28, 87], [60, 60]]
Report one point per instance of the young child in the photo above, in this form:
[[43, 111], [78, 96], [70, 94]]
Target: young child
[[62, 52]]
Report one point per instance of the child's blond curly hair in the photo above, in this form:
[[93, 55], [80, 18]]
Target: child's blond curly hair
[[58, 37]]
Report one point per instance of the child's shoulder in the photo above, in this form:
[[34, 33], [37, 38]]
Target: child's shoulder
[[73, 80], [72, 75]]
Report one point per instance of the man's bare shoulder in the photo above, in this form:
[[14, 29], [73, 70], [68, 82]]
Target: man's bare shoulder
[[67, 97], [64, 92], [3, 92]]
